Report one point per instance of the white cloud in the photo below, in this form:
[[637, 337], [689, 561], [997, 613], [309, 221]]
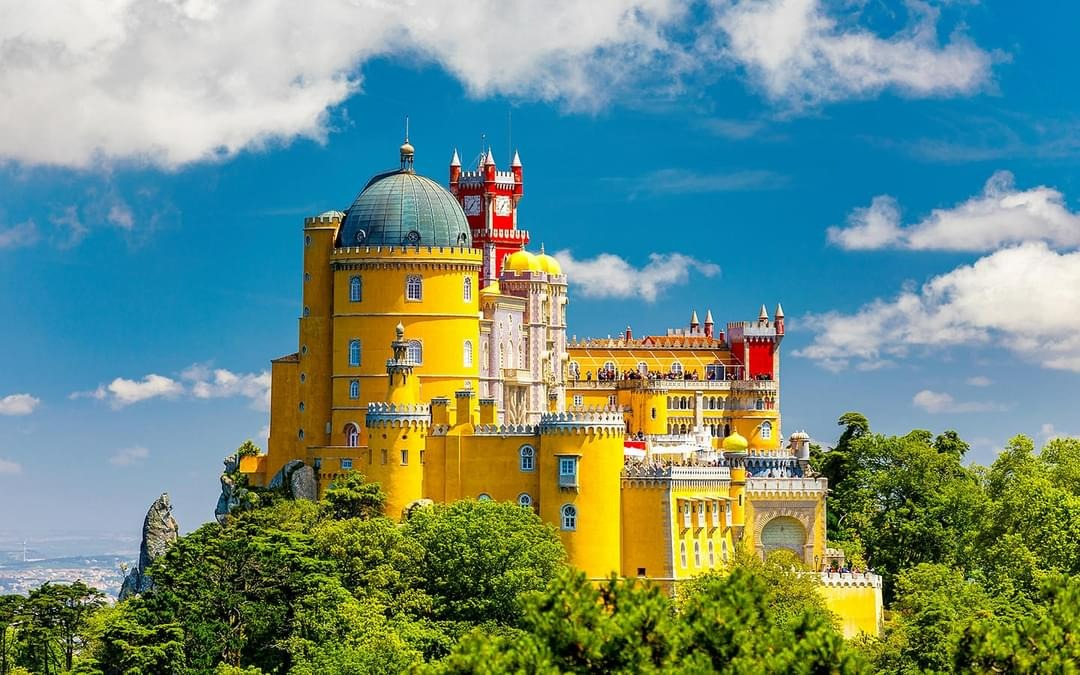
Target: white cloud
[[999, 216], [1019, 299], [979, 381], [796, 53], [19, 235], [175, 82], [683, 181], [129, 456], [197, 381], [939, 402], [123, 392], [609, 276], [9, 467], [18, 404], [222, 383]]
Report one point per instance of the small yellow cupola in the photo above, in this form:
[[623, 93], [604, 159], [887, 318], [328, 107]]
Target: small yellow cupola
[[522, 261], [736, 443], [548, 264]]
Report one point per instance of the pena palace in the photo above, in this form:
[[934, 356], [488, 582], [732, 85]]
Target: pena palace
[[433, 357]]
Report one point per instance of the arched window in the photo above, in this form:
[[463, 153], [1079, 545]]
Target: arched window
[[697, 554], [712, 554], [682, 553], [415, 351], [354, 353], [642, 368], [355, 289], [466, 290], [524, 500], [766, 430], [676, 368], [575, 370], [354, 389], [484, 497], [528, 457], [352, 435], [414, 287], [609, 367], [569, 517], [466, 354], [723, 550]]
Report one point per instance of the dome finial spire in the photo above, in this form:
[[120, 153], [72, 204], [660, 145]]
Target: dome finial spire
[[407, 150]]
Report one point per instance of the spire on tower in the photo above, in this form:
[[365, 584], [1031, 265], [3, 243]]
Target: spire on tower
[[779, 311], [708, 317], [764, 314], [694, 323], [407, 150], [455, 160], [489, 159], [517, 159]]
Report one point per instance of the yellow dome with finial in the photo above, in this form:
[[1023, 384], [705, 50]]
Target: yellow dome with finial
[[548, 264], [522, 261], [735, 443]]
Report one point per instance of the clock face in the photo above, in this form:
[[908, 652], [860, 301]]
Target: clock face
[[472, 205], [502, 206]]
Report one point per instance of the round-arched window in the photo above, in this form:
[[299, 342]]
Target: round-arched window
[[528, 457], [569, 517], [525, 500], [484, 497]]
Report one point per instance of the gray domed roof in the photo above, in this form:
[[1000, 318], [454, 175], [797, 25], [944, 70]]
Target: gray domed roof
[[400, 208]]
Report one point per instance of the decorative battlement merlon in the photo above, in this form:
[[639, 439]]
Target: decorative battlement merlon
[[867, 579], [400, 408], [609, 418]]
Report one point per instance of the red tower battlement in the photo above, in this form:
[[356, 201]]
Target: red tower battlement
[[490, 199], [756, 344]]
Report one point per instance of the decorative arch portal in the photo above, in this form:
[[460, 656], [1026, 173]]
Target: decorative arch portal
[[783, 532]]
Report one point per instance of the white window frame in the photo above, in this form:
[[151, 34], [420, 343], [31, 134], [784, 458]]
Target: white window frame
[[355, 353], [525, 500], [415, 348], [701, 514], [352, 435], [697, 553], [484, 497], [766, 430], [356, 289], [610, 367], [467, 354], [579, 400], [686, 508], [723, 550], [612, 400], [414, 288], [682, 554], [346, 463], [568, 471], [716, 514], [466, 289], [642, 368], [712, 554], [354, 389], [676, 368], [527, 458], [568, 517]]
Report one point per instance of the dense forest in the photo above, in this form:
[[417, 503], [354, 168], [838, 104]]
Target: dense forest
[[981, 567]]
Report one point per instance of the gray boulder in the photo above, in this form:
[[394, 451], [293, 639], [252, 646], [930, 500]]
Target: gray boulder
[[281, 478], [302, 484], [159, 532]]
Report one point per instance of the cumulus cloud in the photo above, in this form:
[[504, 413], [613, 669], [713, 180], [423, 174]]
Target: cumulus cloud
[[796, 53], [609, 276], [197, 381], [939, 402], [999, 216], [176, 82], [123, 392], [182, 81], [1019, 299], [19, 235], [129, 456], [9, 467], [18, 404], [221, 383]]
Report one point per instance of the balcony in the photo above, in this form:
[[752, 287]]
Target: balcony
[[568, 481], [755, 386]]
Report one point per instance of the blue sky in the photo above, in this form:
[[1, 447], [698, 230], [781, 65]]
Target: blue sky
[[901, 177]]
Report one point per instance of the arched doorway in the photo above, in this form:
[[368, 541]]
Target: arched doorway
[[783, 532]]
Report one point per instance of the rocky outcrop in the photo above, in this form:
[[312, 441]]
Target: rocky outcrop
[[159, 532], [282, 477], [231, 493], [302, 484], [413, 506]]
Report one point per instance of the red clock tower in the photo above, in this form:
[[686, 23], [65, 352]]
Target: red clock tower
[[490, 199]]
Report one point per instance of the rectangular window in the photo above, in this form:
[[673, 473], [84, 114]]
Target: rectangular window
[[701, 514], [715, 514], [384, 458], [727, 516], [421, 456], [568, 471], [686, 515], [579, 400], [414, 288], [404, 457], [641, 571], [612, 400], [346, 463], [354, 353], [370, 457]]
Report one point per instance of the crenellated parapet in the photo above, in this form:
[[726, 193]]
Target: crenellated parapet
[[326, 218], [601, 420], [786, 487], [864, 579], [505, 430], [381, 415]]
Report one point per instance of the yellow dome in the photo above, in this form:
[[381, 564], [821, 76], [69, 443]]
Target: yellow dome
[[522, 261], [735, 443], [549, 264]]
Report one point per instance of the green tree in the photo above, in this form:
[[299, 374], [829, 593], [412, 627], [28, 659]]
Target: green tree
[[55, 618], [351, 497], [479, 556], [10, 610]]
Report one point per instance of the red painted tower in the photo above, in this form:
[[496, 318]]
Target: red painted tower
[[490, 199]]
